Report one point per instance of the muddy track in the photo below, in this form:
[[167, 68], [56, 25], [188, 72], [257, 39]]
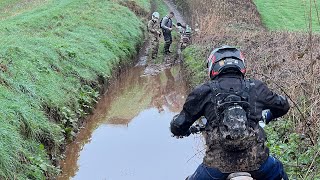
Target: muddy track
[[127, 137], [168, 60], [173, 8]]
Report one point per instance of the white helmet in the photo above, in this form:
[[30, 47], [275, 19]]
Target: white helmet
[[155, 15]]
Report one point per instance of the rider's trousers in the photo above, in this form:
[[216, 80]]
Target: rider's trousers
[[272, 169]]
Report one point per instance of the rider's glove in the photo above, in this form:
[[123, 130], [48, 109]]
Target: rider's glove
[[182, 136], [267, 116], [178, 133], [194, 129], [188, 133]]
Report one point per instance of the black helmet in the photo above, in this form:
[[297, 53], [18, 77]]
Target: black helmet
[[224, 60]]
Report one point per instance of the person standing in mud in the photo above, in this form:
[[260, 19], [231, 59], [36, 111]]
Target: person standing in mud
[[154, 34], [233, 107], [166, 26]]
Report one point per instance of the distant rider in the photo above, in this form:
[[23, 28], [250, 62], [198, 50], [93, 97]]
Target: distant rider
[[154, 34], [233, 107], [185, 35]]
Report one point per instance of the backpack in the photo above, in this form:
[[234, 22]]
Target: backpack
[[232, 109], [161, 22]]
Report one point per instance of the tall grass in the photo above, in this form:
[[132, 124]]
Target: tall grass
[[196, 64], [11, 8], [289, 14], [51, 60]]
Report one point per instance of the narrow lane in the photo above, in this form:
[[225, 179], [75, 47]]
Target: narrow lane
[[128, 136]]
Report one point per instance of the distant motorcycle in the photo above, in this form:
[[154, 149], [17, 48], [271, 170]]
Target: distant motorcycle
[[185, 35]]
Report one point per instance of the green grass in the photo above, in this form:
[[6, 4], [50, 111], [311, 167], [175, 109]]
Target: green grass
[[291, 15], [293, 150], [162, 8], [51, 58], [145, 4], [9, 8], [195, 64]]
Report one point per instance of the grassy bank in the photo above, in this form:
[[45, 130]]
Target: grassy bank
[[195, 63], [292, 15], [9, 8], [53, 59]]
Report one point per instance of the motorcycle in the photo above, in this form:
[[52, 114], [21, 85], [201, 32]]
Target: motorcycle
[[185, 35], [185, 41], [201, 127]]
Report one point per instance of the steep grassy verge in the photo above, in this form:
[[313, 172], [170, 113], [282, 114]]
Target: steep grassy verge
[[195, 64], [9, 8], [287, 61], [53, 60], [290, 15]]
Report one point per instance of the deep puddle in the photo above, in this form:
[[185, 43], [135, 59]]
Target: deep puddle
[[128, 136]]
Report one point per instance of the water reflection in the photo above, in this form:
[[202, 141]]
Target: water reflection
[[128, 136]]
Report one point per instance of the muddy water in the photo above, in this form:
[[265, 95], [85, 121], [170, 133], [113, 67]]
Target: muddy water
[[128, 136]]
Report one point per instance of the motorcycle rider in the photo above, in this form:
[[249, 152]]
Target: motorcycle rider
[[185, 35], [181, 27], [233, 142], [154, 34]]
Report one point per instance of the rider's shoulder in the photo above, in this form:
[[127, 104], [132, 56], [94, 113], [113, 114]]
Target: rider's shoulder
[[202, 88], [257, 83]]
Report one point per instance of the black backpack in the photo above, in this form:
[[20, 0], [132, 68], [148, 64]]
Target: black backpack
[[232, 109], [161, 22]]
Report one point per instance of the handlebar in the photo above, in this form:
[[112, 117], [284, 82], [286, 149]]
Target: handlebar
[[195, 129]]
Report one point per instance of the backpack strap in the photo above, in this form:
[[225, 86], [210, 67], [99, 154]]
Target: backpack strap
[[214, 86], [215, 89], [249, 85]]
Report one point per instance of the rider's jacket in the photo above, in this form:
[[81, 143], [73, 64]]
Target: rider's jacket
[[199, 103]]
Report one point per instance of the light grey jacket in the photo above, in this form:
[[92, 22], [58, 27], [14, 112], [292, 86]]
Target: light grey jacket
[[166, 23]]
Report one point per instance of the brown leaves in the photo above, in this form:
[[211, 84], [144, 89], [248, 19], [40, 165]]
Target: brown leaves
[[3, 68]]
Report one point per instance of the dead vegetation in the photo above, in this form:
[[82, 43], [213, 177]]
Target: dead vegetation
[[134, 7], [287, 61]]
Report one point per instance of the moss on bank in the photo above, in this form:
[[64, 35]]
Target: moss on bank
[[53, 59], [195, 64]]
